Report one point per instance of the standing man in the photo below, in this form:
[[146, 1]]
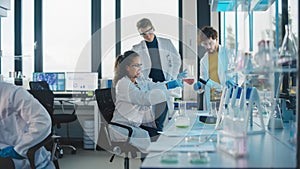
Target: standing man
[[24, 122], [161, 62], [213, 65]]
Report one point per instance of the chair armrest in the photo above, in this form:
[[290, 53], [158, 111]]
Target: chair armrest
[[31, 151], [124, 126], [69, 102]]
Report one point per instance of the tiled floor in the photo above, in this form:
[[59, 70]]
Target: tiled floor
[[89, 159]]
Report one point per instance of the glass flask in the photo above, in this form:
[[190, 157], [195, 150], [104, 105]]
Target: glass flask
[[288, 52], [275, 118], [248, 65], [182, 120], [190, 75], [259, 57], [213, 109], [266, 102]]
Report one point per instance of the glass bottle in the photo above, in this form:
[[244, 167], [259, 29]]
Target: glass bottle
[[248, 66], [288, 52], [259, 61]]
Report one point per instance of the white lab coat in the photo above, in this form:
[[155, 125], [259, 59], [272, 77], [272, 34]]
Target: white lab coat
[[170, 63], [134, 107], [24, 122], [222, 68]]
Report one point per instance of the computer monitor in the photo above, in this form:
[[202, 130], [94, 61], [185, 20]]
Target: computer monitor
[[56, 80], [81, 81]]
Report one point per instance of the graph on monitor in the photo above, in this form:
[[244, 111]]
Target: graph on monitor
[[81, 81]]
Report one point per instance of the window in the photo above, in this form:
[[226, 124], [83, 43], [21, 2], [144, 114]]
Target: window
[[260, 31], [108, 38], [164, 18], [7, 42], [131, 12], [28, 37], [66, 33], [229, 24], [267, 30], [293, 18]]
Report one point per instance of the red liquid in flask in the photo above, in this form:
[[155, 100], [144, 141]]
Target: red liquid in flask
[[189, 81]]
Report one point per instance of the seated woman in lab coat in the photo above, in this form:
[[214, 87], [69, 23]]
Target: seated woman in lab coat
[[135, 96], [24, 122]]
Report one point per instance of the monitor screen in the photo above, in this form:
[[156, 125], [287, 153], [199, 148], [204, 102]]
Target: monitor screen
[[81, 81], [56, 80]]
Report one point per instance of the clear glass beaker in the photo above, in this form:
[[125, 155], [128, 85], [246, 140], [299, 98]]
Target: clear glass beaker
[[182, 120]]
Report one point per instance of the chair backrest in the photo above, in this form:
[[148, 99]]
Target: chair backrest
[[40, 85], [105, 100], [105, 103], [46, 98]]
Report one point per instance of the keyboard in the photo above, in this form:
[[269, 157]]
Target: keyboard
[[70, 95]]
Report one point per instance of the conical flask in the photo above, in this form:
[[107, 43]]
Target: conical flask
[[288, 52]]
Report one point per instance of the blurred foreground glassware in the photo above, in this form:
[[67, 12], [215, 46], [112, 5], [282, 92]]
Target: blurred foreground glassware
[[288, 52], [293, 132], [266, 55], [275, 118]]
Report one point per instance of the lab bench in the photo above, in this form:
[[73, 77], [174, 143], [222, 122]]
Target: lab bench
[[270, 149]]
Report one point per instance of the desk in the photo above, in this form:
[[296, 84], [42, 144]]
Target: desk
[[264, 151], [90, 111], [85, 110]]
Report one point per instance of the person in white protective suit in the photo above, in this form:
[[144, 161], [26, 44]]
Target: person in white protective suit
[[135, 96], [24, 122], [213, 66], [161, 62]]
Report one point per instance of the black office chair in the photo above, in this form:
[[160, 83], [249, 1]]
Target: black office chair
[[40, 85], [46, 98], [49, 140], [106, 106], [6, 163], [58, 119]]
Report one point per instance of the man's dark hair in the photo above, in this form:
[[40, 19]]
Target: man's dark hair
[[208, 32]]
